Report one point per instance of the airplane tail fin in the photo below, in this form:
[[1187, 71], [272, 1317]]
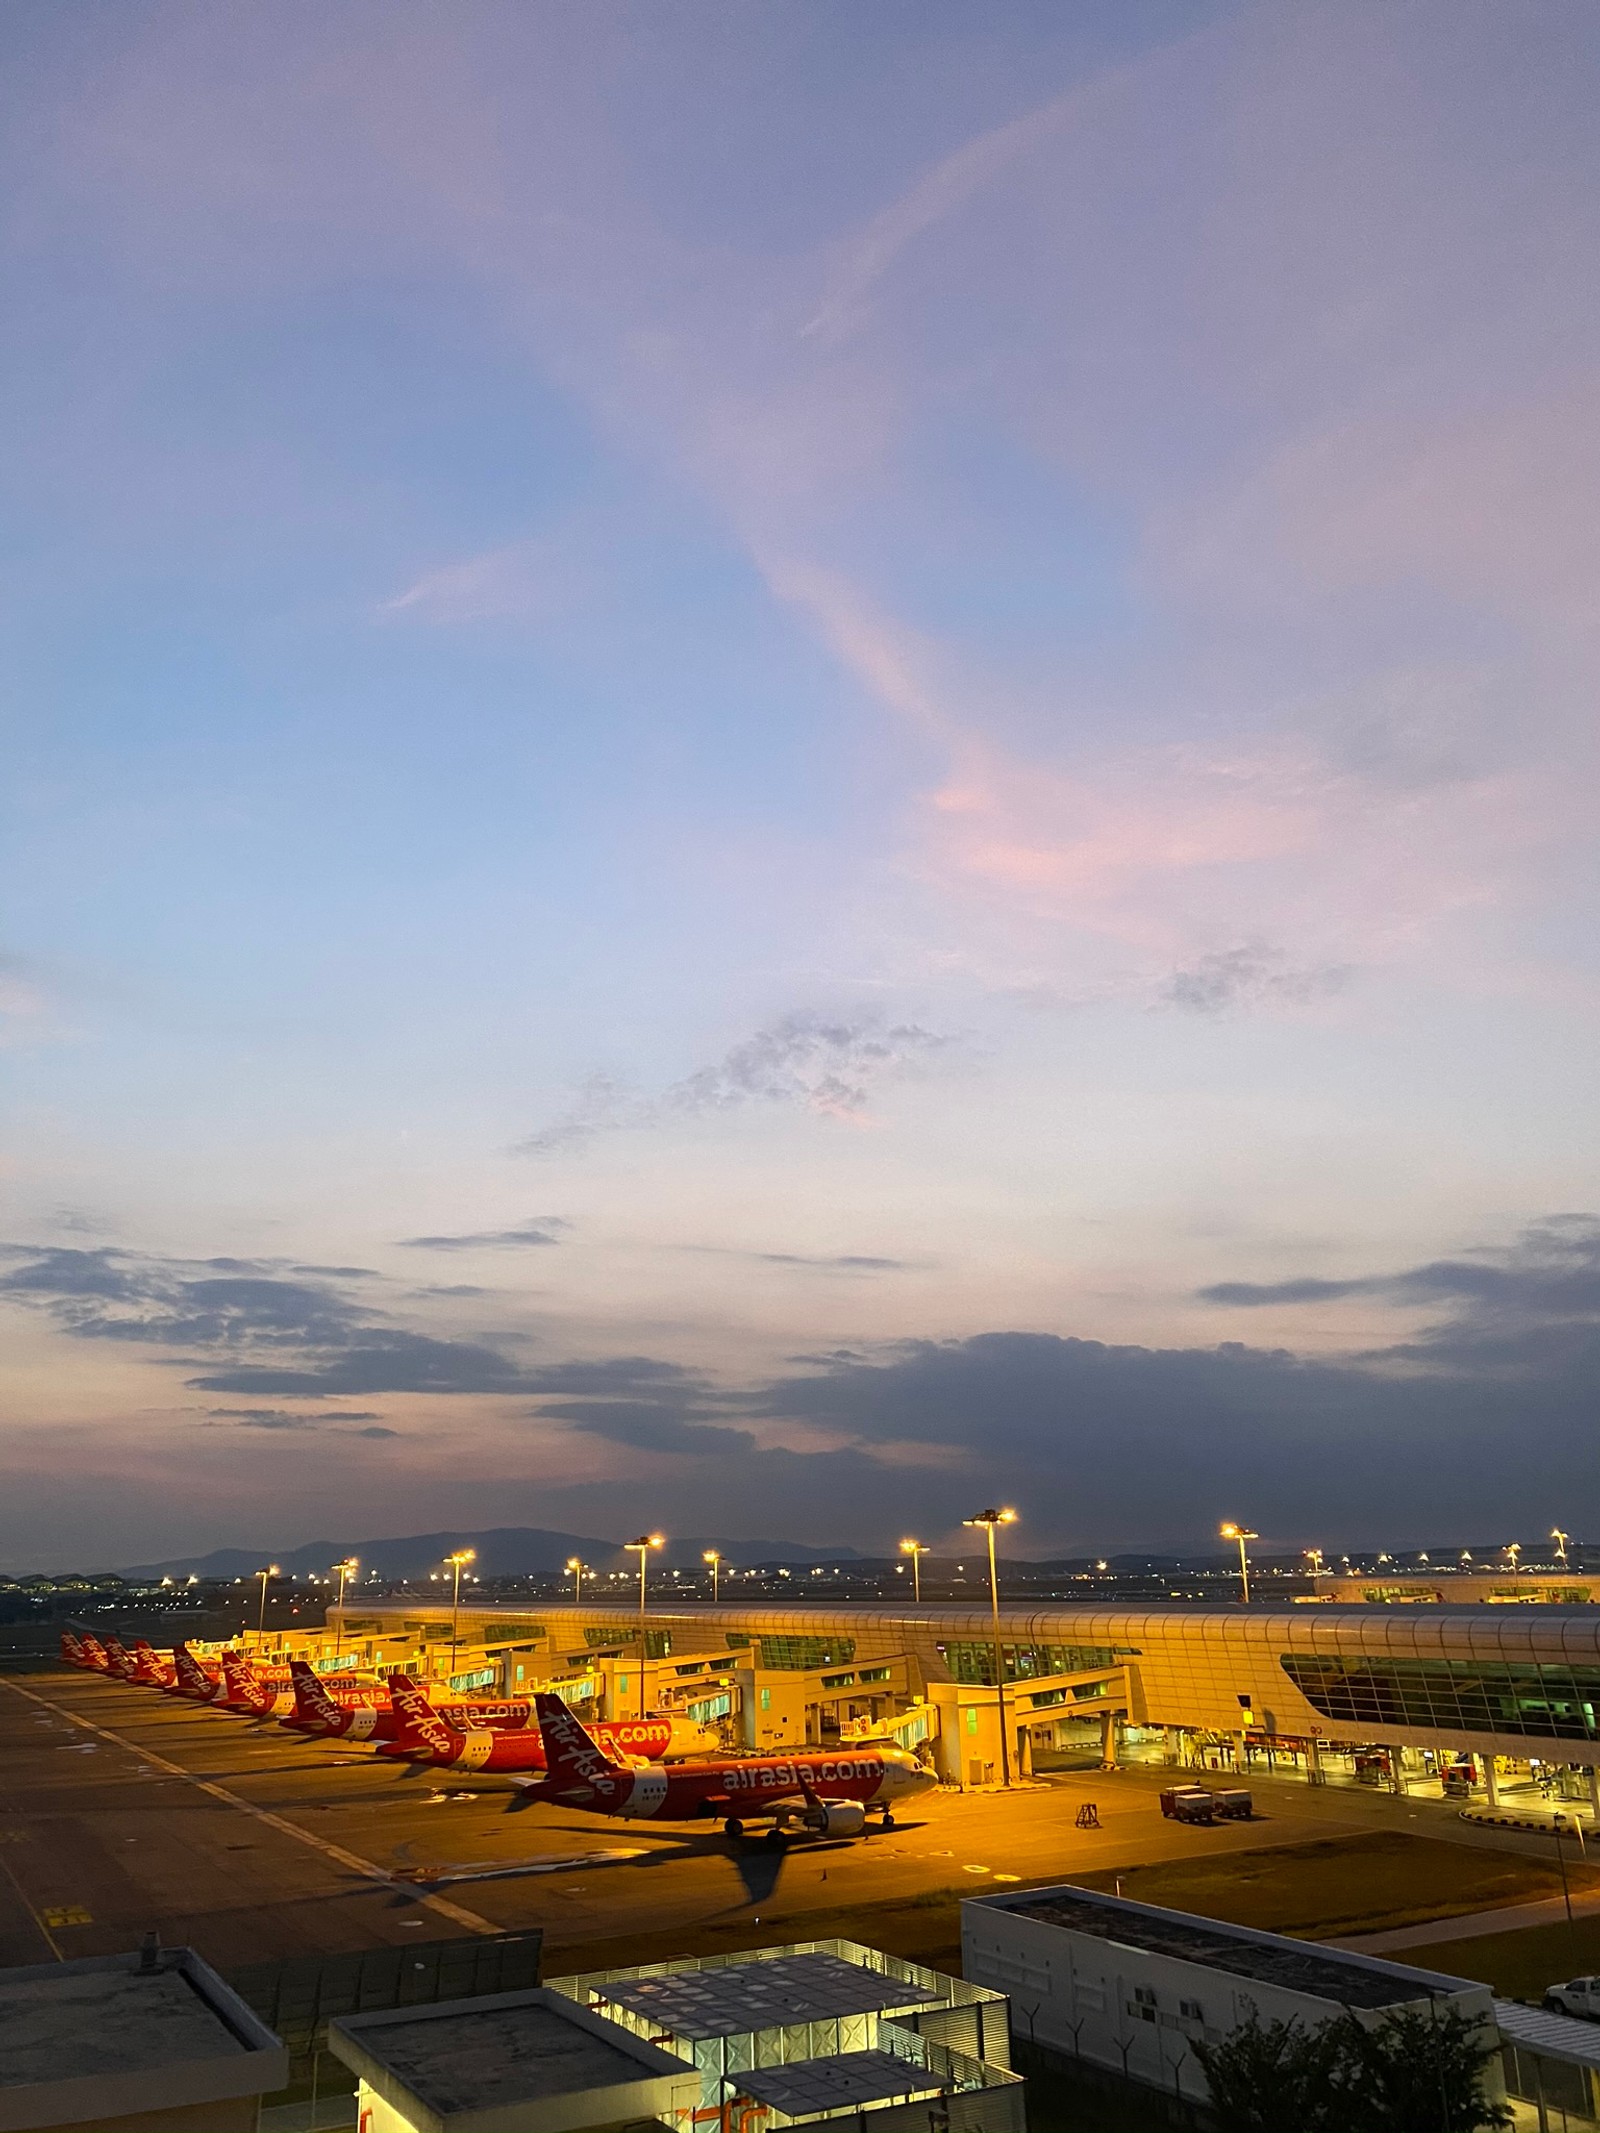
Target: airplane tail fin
[[191, 1677], [574, 1759], [117, 1660], [240, 1680], [71, 1649], [313, 1706], [422, 1732]]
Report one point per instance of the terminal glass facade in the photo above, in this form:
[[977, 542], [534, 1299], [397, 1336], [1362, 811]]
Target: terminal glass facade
[[974, 1661], [803, 1655], [1452, 1695]]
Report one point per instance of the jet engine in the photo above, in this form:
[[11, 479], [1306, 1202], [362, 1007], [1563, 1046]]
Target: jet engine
[[837, 1818]]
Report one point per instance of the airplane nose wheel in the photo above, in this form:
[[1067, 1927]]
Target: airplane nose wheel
[[887, 1822], [733, 1827]]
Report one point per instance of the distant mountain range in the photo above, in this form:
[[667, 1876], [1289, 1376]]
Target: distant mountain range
[[502, 1552]]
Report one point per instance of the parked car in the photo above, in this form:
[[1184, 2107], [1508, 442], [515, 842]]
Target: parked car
[[1578, 1996], [1188, 1803]]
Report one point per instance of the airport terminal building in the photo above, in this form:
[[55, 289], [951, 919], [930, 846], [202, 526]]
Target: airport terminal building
[[1471, 1699]]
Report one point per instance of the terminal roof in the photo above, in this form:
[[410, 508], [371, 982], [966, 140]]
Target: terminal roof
[[735, 1998], [1348, 1981]]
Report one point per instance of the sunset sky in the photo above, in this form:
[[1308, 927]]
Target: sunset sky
[[781, 768]]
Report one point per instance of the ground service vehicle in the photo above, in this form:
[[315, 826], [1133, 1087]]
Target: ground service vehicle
[[1188, 1803], [1578, 1996], [1232, 1804]]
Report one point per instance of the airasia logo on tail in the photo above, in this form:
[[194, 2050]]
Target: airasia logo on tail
[[190, 1672], [421, 1719], [571, 1755], [241, 1681], [311, 1698]]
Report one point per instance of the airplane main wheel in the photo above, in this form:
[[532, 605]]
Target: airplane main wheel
[[775, 1840], [887, 1822], [733, 1827]]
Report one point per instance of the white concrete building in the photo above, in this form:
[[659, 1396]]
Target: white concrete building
[[1129, 1987]]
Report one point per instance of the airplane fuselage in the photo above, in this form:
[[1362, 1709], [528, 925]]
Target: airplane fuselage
[[693, 1792], [477, 1747]]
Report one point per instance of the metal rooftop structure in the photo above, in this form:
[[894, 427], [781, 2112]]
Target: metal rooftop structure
[[755, 1995]]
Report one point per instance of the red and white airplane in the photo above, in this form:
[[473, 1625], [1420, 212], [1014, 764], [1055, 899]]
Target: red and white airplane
[[119, 1664], [438, 1736], [364, 1711], [260, 1692], [72, 1650], [816, 1794], [150, 1670], [194, 1681]]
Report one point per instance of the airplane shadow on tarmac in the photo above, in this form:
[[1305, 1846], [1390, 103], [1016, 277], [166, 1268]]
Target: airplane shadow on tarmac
[[759, 1866]]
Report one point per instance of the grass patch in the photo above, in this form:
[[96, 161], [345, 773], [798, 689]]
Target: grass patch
[[925, 1928], [1343, 1885], [1518, 1965]]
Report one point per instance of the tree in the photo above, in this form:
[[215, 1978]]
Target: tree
[[1419, 2070], [1272, 2077]]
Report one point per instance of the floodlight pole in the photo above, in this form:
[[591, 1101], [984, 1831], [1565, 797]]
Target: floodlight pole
[[458, 1562], [641, 1547], [989, 1520], [343, 1572], [1241, 1534]]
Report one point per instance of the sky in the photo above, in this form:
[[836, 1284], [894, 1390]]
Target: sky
[[783, 769]]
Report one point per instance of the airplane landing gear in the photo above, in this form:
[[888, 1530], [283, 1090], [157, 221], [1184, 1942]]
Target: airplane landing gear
[[733, 1827], [776, 1840], [887, 1822]]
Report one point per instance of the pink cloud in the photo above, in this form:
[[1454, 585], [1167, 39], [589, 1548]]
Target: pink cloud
[[1170, 851]]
